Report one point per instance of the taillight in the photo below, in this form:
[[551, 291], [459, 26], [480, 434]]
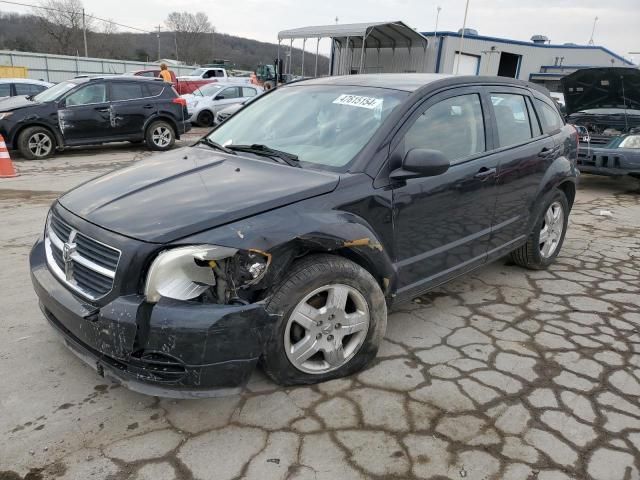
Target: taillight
[[577, 136], [180, 101]]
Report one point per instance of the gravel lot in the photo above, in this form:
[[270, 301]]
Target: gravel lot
[[504, 374]]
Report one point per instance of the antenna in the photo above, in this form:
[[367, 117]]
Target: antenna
[[336, 19], [435, 31], [593, 30]]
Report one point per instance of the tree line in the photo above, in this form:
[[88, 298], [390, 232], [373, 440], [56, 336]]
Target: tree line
[[57, 28]]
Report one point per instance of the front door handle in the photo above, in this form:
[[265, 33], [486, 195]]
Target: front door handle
[[102, 109], [148, 106], [485, 173]]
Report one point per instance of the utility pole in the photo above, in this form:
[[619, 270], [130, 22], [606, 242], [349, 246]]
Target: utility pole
[[464, 26], [593, 30], [84, 33], [158, 34], [175, 40], [435, 31]]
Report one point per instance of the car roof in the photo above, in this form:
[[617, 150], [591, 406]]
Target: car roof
[[410, 82], [24, 80], [114, 78]]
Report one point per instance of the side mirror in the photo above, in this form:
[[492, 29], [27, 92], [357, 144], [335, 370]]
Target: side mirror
[[421, 162], [219, 97]]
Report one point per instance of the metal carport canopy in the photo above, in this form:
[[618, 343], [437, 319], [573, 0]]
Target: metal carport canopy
[[377, 35]]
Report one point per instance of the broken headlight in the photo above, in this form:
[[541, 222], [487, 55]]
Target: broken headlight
[[184, 273]]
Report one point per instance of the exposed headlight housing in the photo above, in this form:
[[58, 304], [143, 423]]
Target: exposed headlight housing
[[184, 273]]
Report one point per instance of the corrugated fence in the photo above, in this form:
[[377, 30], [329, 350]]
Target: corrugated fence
[[56, 68]]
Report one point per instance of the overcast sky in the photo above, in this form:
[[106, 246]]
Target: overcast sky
[[562, 21]]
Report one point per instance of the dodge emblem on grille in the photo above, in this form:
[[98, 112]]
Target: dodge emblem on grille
[[68, 249]]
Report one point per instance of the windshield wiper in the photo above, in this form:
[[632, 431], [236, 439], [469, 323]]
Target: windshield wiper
[[259, 149], [210, 143]]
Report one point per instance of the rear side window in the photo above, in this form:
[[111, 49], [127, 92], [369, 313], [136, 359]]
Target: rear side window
[[549, 116], [512, 118], [5, 89], [126, 91], [154, 89], [150, 73], [454, 126], [248, 92], [28, 88]]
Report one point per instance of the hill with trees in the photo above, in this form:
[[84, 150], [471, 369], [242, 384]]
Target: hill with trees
[[56, 28]]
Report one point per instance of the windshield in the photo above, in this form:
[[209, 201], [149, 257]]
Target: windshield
[[208, 90], [197, 72], [324, 125], [55, 92]]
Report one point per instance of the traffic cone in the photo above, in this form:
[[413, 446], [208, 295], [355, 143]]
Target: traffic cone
[[6, 165]]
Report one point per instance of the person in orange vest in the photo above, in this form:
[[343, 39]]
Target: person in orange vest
[[165, 74]]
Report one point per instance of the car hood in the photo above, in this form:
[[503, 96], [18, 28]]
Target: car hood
[[189, 190], [589, 88], [8, 104]]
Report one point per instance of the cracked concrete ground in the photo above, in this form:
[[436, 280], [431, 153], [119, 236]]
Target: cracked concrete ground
[[503, 374]]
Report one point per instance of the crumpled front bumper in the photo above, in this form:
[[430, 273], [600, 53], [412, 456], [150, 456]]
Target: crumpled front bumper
[[170, 349], [601, 161]]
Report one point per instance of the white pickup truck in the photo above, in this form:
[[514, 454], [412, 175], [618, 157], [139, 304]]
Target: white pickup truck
[[212, 73]]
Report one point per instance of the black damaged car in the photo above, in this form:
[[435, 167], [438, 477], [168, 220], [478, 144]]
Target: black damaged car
[[92, 111], [284, 235]]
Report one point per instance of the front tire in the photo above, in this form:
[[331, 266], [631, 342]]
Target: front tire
[[160, 136], [546, 239], [36, 143], [332, 318]]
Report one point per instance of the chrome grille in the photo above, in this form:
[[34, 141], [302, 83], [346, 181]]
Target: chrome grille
[[84, 264]]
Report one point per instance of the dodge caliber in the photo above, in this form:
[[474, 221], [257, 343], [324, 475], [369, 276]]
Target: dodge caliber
[[283, 236]]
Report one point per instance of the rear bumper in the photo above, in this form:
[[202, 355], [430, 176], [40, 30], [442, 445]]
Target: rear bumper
[[171, 349]]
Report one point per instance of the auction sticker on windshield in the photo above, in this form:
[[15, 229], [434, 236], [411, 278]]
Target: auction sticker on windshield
[[358, 101]]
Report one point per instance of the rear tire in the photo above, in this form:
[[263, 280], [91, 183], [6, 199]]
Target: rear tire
[[546, 239], [205, 118], [160, 136], [36, 143], [343, 334]]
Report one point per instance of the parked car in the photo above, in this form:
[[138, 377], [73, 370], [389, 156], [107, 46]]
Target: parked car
[[606, 101], [13, 87], [285, 234], [205, 102], [218, 74], [621, 156], [94, 110], [224, 113], [182, 85]]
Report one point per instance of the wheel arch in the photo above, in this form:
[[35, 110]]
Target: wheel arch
[[56, 135], [162, 118]]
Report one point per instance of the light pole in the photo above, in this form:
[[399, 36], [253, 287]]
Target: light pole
[[593, 30], [435, 31], [84, 34], [464, 26]]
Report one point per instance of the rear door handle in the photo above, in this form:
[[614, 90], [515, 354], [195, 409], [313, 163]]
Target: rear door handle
[[546, 151], [485, 173], [148, 106], [102, 109]]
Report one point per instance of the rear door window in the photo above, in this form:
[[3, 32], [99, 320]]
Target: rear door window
[[126, 91], [5, 89], [512, 118], [549, 116], [454, 126], [231, 92], [28, 88], [154, 89]]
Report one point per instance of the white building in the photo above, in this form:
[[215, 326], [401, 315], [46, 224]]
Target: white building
[[537, 61]]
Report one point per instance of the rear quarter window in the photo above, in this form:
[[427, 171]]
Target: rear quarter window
[[549, 116], [155, 89], [5, 89]]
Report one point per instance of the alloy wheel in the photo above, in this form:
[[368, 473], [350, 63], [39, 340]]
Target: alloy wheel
[[326, 328], [552, 228], [40, 144], [161, 136]]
